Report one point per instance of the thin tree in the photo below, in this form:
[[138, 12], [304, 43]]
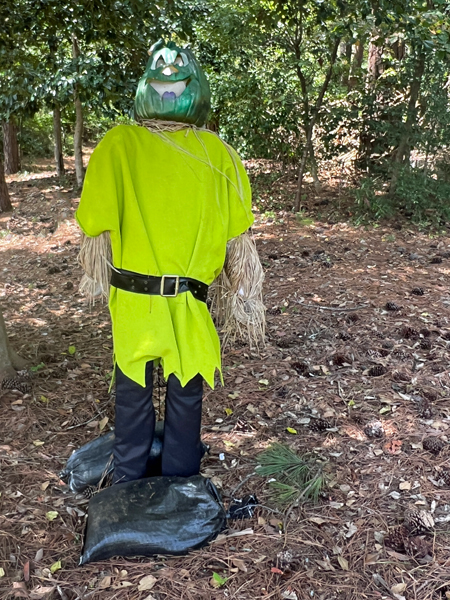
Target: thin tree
[[10, 361], [5, 202]]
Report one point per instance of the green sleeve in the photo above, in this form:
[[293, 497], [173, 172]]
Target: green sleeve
[[239, 198], [101, 198]]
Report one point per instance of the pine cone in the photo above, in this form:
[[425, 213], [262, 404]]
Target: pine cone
[[433, 445], [425, 410], [436, 260], [340, 359], [418, 547], [396, 538], [377, 371], [418, 520], [16, 383], [425, 345], [391, 306], [319, 425], [374, 429], [417, 291], [301, 367], [409, 332], [401, 377], [430, 394], [446, 477], [89, 492], [389, 344], [287, 341]]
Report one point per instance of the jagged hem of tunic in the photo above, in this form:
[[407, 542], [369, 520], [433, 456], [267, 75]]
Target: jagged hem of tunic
[[207, 376]]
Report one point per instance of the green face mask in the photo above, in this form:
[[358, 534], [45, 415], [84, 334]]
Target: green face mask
[[173, 88]]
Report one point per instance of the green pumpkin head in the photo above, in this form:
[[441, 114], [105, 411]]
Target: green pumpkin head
[[173, 88]]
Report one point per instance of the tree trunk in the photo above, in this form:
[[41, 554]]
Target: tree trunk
[[59, 160], [9, 360], [10, 147], [5, 202], [403, 149], [310, 127], [78, 135], [375, 65], [356, 64]]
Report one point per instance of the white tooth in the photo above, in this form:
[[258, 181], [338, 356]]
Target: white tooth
[[177, 87], [167, 71]]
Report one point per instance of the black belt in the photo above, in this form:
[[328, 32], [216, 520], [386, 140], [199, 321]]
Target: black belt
[[167, 286]]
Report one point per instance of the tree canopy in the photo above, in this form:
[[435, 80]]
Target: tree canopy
[[297, 82]]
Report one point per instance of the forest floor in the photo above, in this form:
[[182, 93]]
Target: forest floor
[[358, 334]]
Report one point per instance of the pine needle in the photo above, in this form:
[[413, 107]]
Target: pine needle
[[297, 478]]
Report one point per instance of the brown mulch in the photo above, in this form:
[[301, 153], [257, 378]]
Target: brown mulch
[[348, 341]]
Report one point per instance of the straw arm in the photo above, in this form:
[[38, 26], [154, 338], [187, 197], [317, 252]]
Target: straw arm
[[95, 258]]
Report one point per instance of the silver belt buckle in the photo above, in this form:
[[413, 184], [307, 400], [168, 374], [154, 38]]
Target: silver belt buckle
[[177, 286]]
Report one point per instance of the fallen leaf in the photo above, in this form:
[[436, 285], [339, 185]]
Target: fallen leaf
[[56, 566], [228, 412], [26, 571], [291, 430], [397, 555], [326, 564], [41, 591], [146, 583], [404, 485], [51, 515], [39, 555], [38, 443], [371, 559], [2, 572], [398, 588], [72, 350], [276, 570], [103, 423], [105, 583], [240, 564], [45, 485], [264, 381], [217, 581], [343, 562], [317, 520]]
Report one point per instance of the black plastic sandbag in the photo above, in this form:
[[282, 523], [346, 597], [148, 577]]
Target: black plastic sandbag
[[86, 466], [158, 515]]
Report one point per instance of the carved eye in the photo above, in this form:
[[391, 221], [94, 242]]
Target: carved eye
[[179, 61], [160, 62]]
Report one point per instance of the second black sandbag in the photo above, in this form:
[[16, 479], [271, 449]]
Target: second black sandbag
[[158, 515], [86, 466]]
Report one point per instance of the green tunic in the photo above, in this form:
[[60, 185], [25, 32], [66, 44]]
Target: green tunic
[[171, 205]]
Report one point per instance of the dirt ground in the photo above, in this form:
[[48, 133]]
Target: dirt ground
[[358, 335]]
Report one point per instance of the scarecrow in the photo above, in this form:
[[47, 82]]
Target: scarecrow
[[164, 213]]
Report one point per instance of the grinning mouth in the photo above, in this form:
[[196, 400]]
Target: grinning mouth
[[172, 88]]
